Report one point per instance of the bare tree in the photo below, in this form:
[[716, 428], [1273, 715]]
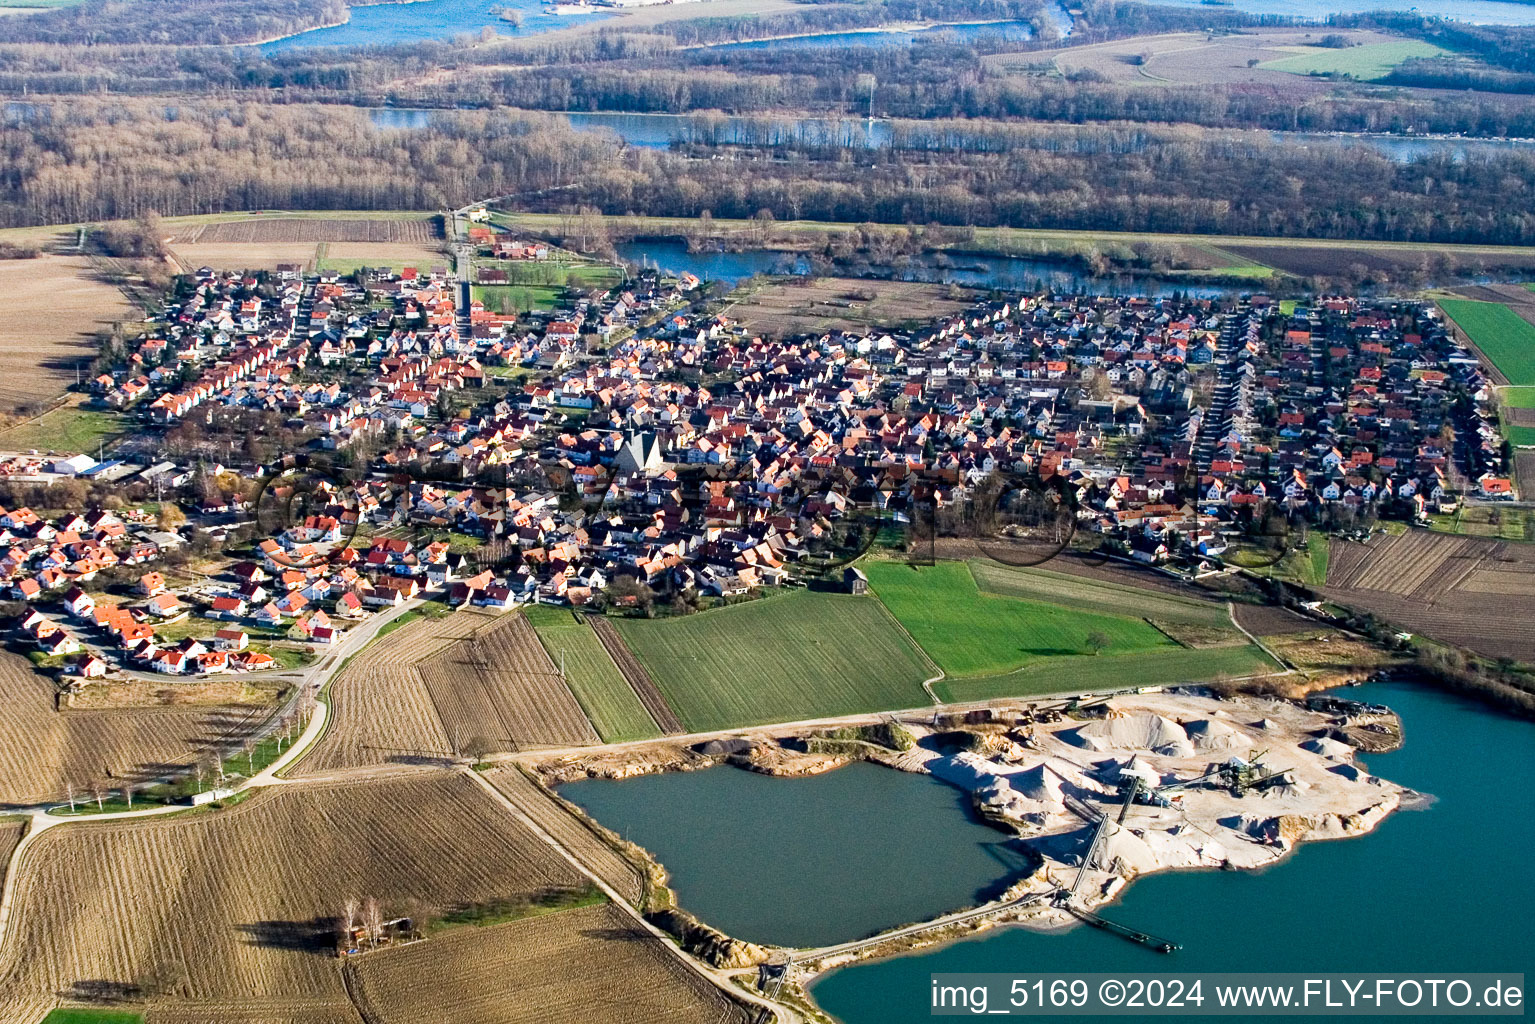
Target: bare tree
[[69, 788], [348, 917], [373, 921], [97, 792], [127, 793], [249, 747]]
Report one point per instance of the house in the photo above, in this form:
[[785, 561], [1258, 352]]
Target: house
[[269, 615], [151, 583], [164, 606], [78, 603], [228, 608], [89, 667], [230, 640], [349, 606], [855, 582]]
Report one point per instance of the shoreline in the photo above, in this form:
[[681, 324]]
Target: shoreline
[[1328, 794]]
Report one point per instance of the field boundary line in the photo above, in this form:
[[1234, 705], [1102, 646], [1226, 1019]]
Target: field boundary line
[[1231, 613], [927, 684]]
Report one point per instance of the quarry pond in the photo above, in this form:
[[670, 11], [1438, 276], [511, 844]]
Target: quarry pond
[[807, 861], [816, 860], [1429, 890]]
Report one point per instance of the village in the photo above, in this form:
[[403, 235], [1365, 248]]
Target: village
[[639, 448]]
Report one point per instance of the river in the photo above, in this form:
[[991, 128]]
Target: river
[[1444, 889]]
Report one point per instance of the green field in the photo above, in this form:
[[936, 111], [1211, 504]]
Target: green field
[[1519, 437], [1090, 595], [1518, 398], [970, 633], [502, 298], [1157, 667], [794, 656], [606, 697], [69, 429], [1375, 60], [555, 274], [91, 1015], [1503, 336], [1308, 567]]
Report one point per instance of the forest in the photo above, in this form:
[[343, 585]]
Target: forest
[[112, 130], [172, 22], [90, 159]]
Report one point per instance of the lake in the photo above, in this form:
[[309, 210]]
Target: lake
[[1442, 889], [808, 861], [388, 24], [1007, 273]]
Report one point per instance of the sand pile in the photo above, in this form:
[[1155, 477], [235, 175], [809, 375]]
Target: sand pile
[[1330, 748], [1133, 732], [1209, 736], [1124, 852]]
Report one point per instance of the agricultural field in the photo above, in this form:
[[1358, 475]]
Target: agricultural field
[[347, 257], [54, 307], [1000, 631], [794, 656], [554, 273], [500, 298], [571, 831], [837, 303], [571, 967], [42, 750], [1502, 336], [414, 228], [968, 632], [1496, 521], [67, 430], [634, 673], [239, 906], [1189, 58], [381, 709], [497, 689], [1477, 592], [330, 242], [1161, 666], [1366, 63], [605, 695]]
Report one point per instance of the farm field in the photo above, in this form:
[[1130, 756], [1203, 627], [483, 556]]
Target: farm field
[[43, 750], [244, 900], [347, 257], [572, 967], [1503, 336], [572, 832], [1477, 592], [1368, 62], [554, 273], [1188, 58], [837, 303], [1488, 521], [605, 695], [496, 688], [785, 658], [381, 709], [1161, 666], [420, 229], [1093, 595], [54, 306], [970, 633], [500, 298], [639, 680], [69, 429]]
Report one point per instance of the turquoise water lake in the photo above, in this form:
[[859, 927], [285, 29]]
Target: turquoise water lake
[[1441, 889]]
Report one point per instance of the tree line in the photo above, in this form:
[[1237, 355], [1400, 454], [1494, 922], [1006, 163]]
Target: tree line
[[172, 22]]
